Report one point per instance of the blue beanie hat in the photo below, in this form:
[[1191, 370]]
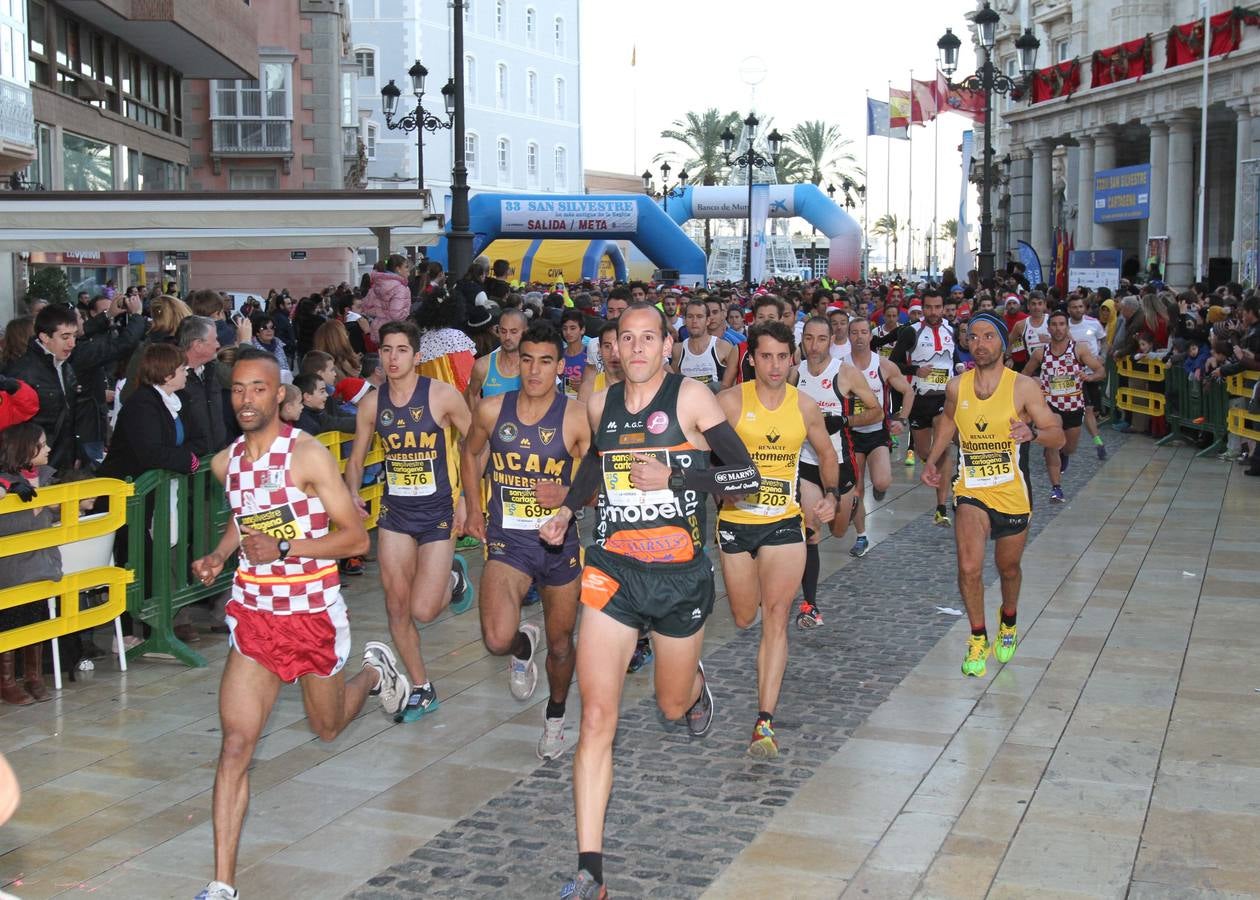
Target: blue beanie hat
[[996, 321]]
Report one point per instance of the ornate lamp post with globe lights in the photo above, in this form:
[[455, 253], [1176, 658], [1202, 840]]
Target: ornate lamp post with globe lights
[[749, 159], [988, 80], [666, 190], [419, 119]]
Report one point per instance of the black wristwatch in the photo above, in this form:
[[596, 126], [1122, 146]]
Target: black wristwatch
[[677, 479], [283, 549], [835, 492]]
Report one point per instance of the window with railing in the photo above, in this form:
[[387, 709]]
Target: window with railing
[[500, 18], [562, 168], [470, 79], [471, 159], [504, 152], [370, 133], [559, 36], [255, 115], [531, 162], [560, 98], [500, 86], [531, 93], [531, 27]]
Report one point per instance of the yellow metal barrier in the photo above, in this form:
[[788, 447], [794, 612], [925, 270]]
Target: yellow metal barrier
[[338, 444], [1242, 384], [1244, 424], [1141, 369], [1135, 401], [70, 618]]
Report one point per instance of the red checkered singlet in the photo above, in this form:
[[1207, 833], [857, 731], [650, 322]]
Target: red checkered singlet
[[263, 496], [1061, 379]]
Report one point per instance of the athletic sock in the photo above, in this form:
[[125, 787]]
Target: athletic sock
[[940, 509], [861, 535], [1098, 440], [555, 709], [767, 717], [809, 583], [1008, 621], [980, 632], [456, 581], [522, 647], [593, 863]]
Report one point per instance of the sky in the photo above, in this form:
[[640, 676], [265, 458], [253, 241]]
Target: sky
[[820, 60]]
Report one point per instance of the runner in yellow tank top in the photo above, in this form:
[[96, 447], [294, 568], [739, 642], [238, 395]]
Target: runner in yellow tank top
[[761, 535], [995, 413]]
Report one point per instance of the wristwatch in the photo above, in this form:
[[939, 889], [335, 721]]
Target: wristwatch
[[283, 549], [677, 480], [835, 492]]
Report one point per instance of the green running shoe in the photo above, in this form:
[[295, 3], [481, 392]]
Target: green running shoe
[[978, 650], [1004, 647]]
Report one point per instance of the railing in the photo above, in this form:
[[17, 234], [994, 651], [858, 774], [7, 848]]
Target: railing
[[1195, 405], [252, 136], [1139, 400], [1241, 422], [17, 114]]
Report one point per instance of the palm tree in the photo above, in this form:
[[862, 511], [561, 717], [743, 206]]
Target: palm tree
[[888, 226], [949, 230], [823, 152], [701, 134]]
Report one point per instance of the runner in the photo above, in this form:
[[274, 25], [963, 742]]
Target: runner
[[573, 328], [925, 353], [840, 347], [594, 380], [618, 300], [534, 436], [1065, 366], [989, 409], [1089, 332], [831, 385], [872, 442], [286, 616], [761, 535], [420, 573], [500, 370], [1029, 333], [647, 565], [702, 356], [766, 308]]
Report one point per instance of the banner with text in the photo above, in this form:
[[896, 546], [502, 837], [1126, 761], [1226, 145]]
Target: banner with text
[[1095, 269], [1122, 194], [577, 216]]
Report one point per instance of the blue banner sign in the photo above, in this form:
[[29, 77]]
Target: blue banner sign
[[1095, 269], [1122, 194]]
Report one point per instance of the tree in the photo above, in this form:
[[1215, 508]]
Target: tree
[[949, 230], [888, 226], [701, 134], [49, 283], [824, 154]]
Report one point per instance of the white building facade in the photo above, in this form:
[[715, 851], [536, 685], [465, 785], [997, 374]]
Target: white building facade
[[1048, 152], [522, 92]]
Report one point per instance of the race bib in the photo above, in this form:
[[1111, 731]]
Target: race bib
[[279, 523], [521, 509], [410, 478], [1063, 386], [772, 500], [938, 377], [886, 351], [988, 469], [617, 484]]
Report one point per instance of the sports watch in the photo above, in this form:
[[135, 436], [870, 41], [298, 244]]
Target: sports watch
[[283, 549], [677, 479]]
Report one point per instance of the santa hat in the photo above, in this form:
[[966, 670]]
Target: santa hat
[[1010, 297], [964, 310], [351, 390], [916, 306]]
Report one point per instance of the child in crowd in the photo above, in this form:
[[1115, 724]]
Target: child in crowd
[[315, 417], [1197, 353], [291, 405]]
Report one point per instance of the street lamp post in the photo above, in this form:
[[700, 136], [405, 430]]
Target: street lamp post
[[988, 81], [851, 187], [666, 190], [419, 119], [459, 241], [748, 159]]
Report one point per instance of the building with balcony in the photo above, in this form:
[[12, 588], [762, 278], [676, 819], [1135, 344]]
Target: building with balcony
[[1121, 88], [522, 92]]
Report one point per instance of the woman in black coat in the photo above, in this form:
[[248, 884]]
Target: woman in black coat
[[149, 433]]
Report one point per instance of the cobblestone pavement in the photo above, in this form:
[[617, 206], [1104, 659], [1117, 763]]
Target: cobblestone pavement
[[881, 620]]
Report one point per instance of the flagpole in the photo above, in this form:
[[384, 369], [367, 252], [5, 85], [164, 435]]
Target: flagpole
[[1199, 272], [934, 265], [634, 104], [910, 183], [866, 194], [889, 262]]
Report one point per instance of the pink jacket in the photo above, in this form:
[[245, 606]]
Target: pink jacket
[[388, 300]]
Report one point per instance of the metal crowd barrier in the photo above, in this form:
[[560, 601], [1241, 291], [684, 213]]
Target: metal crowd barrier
[[1141, 400], [1195, 405], [1241, 422]]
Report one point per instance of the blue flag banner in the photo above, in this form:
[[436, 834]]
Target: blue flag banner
[[1032, 263], [877, 118]]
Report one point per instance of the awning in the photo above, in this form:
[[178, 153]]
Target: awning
[[62, 220]]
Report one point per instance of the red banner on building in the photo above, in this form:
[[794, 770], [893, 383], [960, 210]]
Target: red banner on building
[[1185, 42], [1121, 62], [1062, 80]]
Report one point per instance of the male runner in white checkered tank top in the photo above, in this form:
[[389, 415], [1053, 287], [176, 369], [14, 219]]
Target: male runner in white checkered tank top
[[287, 618]]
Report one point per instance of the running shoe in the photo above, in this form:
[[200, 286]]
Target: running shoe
[[553, 743], [467, 542], [1101, 449], [1007, 642], [700, 716], [763, 744], [1230, 456], [878, 494], [584, 887], [1056, 494], [909, 457], [809, 616], [351, 566], [462, 589], [1063, 462], [895, 442], [523, 673], [393, 686], [531, 596], [978, 650], [861, 547], [422, 700], [942, 519], [217, 890], [642, 655]]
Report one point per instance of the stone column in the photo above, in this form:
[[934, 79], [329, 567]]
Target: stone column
[[1243, 151], [1042, 194], [1157, 224], [1104, 158], [1085, 194], [1180, 271]]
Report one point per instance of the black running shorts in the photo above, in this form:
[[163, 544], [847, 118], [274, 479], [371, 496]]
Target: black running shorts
[[1093, 395], [673, 599], [740, 537], [1071, 419], [926, 408], [867, 442], [848, 477], [1000, 524]]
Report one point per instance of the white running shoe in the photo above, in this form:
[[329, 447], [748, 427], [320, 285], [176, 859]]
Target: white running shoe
[[553, 742], [523, 673], [393, 688], [217, 890]]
